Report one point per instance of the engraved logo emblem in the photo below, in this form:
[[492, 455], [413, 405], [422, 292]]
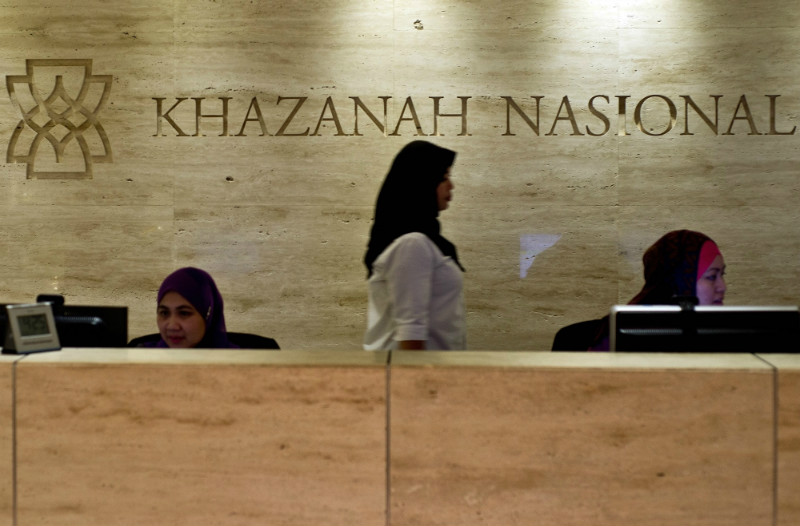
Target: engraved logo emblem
[[59, 101]]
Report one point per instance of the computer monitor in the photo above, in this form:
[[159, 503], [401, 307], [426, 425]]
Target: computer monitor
[[85, 325], [672, 328]]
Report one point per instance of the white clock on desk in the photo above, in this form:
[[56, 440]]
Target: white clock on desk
[[30, 328]]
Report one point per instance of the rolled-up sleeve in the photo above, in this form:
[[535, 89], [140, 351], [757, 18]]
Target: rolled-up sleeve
[[409, 277]]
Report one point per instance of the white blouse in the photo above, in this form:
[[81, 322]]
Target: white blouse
[[415, 293]]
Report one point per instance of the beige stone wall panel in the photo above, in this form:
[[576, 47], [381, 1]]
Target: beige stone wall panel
[[788, 436], [499, 62], [264, 244], [231, 442], [168, 201], [741, 232], [87, 16], [531, 309], [6, 440], [507, 15], [715, 13], [316, 16], [580, 446]]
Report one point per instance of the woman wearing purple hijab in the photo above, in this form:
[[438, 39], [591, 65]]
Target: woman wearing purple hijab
[[190, 311]]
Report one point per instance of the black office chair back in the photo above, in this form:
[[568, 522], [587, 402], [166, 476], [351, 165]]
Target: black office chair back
[[578, 336], [242, 339]]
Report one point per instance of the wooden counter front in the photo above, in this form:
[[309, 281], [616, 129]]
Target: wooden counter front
[[141, 436], [581, 438], [201, 437], [788, 436], [6, 440]]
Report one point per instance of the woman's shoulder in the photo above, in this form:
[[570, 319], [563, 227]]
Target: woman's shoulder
[[412, 242], [410, 247], [414, 237]]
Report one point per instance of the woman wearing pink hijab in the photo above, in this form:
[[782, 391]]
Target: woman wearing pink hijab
[[683, 265]]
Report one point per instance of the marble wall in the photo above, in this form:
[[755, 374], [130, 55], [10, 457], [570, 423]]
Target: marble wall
[[171, 437], [567, 438], [6, 441], [550, 225], [142, 436], [788, 442]]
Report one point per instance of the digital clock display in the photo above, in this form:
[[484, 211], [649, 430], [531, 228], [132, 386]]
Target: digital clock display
[[33, 325], [30, 328]]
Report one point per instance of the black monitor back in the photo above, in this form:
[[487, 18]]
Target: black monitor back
[[670, 328], [92, 326], [85, 325]]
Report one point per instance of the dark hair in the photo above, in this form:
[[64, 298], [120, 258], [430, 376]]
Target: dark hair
[[407, 200]]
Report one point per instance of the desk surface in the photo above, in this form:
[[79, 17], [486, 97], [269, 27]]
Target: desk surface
[[301, 437], [523, 359], [139, 355]]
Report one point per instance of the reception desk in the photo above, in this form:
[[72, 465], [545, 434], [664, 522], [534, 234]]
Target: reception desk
[[137, 436], [6, 440]]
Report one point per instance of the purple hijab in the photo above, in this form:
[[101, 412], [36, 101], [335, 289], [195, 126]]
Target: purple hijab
[[199, 289]]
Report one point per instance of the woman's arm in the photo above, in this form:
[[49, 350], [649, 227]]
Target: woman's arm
[[409, 274]]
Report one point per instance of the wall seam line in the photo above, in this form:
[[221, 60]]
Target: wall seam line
[[775, 429], [388, 502], [14, 500], [775, 443]]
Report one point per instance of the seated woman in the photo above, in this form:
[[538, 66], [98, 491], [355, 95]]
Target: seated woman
[[681, 266], [190, 312]]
